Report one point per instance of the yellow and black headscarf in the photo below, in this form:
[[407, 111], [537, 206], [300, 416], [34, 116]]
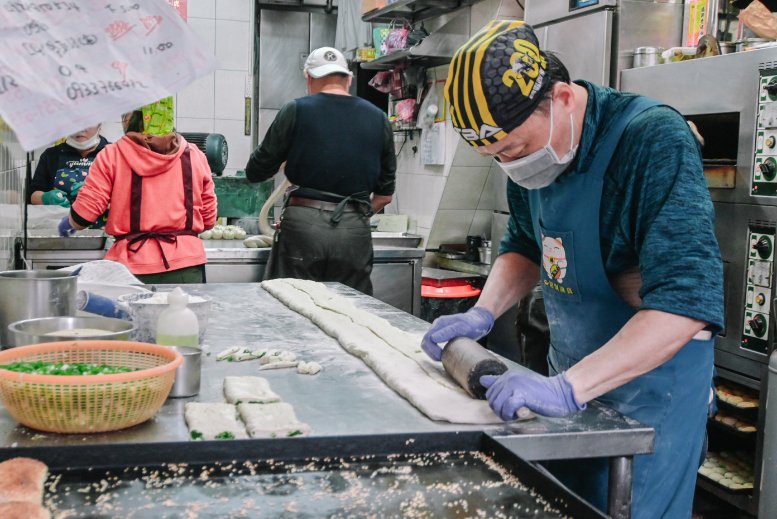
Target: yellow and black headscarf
[[495, 81]]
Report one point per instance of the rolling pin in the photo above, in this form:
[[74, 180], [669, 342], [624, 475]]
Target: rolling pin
[[466, 361]]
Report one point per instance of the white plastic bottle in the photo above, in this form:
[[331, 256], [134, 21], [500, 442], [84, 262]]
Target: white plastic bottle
[[177, 324]]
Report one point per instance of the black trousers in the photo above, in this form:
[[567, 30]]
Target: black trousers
[[309, 246], [533, 333]]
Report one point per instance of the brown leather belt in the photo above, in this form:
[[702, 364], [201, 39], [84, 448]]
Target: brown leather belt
[[319, 204]]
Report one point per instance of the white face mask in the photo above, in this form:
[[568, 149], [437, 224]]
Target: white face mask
[[88, 144], [541, 168]]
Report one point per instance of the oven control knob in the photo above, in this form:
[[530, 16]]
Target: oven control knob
[[767, 169], [770, 142], [763, 247], [760, 299], [758, 325]]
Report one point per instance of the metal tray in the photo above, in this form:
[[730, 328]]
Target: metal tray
[[433, 474], [88, 239], [396, 239]]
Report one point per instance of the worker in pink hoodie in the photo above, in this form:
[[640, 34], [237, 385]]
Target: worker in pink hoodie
[[160, 192]]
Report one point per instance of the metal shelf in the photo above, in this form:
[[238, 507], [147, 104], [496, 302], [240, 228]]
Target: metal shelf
[[415, 10], [407, 55], [743, 502]]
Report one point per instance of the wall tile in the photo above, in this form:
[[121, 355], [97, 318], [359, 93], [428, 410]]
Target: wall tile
[[233, 10], [112, 130], [464, 187], [418, 197], [481, 224], [206, 31], [466, 155], [239, 144], [230, 94], [495, 181], [197, 99], [233, 45], [450, 226], [202, 9], [191, 124]]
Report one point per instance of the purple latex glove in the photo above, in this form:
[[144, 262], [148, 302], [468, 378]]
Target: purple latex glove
[[474, 323], [65, 229], [548, 396]]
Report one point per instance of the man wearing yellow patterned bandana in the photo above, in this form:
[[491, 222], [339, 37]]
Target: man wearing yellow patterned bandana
[[604, 190], [161, 195]]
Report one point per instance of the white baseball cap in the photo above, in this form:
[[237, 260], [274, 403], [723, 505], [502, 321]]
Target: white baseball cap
[[324, 61]]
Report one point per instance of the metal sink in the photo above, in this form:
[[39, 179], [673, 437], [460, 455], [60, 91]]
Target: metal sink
[[396, 239]]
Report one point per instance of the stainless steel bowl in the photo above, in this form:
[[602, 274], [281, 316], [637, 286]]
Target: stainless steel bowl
[[35, 331]]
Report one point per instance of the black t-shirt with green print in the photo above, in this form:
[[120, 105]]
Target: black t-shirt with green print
[[61, 166]]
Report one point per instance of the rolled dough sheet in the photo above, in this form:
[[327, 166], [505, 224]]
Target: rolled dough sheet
[[251, 390], [394, 355], [210, 420], [272, 420]]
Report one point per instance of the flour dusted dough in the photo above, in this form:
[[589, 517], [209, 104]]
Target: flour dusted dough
[[253, 390], [393, 354], [308, 368], [272, 420], [210, 420]]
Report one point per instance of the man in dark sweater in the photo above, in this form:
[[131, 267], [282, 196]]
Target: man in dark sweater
[[339, 151]]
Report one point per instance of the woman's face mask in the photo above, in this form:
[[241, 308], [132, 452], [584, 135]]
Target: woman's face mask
[[82, 143], [541, 168]]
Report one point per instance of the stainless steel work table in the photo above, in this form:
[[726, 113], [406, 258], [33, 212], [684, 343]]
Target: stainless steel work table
[[347, 398]]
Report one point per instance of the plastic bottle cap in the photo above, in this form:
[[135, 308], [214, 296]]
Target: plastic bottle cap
[[178, 297]]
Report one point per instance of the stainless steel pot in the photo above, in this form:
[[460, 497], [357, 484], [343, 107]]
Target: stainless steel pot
[[44, 329], [27, 294], [647, 56]]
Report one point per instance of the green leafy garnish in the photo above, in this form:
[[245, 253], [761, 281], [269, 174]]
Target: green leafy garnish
[[40, 367], [226, 435], [196, 435], [294, 433]]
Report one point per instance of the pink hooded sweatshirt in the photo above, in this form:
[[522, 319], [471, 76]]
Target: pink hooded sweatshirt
[[157, 160]]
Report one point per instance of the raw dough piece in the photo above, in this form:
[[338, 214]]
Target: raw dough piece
[[279, 365], [260, 241], [236, 354], [394, 355], [21, 479], [308, 368], [211, 420], [272, 420], [273, 356], [251, 390]]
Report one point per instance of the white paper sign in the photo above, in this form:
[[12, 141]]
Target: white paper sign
[[433, 145], [66, 65]]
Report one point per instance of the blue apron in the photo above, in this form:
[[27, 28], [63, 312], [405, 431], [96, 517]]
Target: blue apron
[[584, 312]]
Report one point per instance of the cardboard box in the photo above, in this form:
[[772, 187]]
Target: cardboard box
[[371, 5]]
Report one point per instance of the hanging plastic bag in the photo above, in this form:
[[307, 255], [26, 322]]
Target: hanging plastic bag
[[417, 35], [397, 37], [379, 35]]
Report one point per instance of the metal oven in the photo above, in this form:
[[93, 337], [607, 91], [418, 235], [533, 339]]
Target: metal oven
[[732, 99]]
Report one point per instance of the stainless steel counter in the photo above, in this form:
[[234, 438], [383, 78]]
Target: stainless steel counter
[[396, 275], [346, 398]]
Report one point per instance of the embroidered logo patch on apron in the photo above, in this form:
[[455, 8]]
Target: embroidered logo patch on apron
[[558, 273]]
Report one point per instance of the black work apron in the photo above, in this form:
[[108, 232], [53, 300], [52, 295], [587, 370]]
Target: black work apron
[[138, 238]]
